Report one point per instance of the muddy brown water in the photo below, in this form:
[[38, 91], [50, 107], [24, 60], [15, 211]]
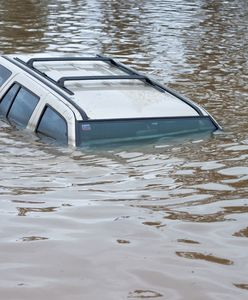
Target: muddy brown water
[[158, 221]]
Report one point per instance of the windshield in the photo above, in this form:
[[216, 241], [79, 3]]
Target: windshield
[[104, 131]]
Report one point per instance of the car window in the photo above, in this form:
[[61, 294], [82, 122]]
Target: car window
[[4, 74], [7, 99], [53, 125], [22, 107], [111, 131]]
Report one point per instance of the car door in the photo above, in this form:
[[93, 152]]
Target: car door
[[20, 99], [18, 105]]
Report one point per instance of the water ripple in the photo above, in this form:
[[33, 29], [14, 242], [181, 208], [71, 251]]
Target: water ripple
[[167, 220]]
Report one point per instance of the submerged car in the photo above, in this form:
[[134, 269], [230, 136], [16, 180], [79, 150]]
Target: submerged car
[[91, 100]]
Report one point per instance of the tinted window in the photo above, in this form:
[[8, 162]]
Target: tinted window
[[141, 129], [23, 107], [7, 99], [4, 74], [53, 125]]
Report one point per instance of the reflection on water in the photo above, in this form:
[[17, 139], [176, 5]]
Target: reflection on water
[[162, 220], [242, 232], [23, 211], [211, 258], [241, 286], [33, 238], [22, 23], [187, 241], [144, 294]]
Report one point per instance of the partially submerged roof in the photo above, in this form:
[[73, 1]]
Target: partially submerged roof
[[105, 91]]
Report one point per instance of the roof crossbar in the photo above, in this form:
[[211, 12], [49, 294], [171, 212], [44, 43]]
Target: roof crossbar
[[30, 62], [62, 80]]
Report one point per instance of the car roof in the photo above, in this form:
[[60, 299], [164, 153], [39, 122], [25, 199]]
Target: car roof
[[105, 89]]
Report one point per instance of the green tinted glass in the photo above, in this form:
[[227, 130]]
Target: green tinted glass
[[94, 132]]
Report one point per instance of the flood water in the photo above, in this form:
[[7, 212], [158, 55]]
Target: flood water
[[157, 221]]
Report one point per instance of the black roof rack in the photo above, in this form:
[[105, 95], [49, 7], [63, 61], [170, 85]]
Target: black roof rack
[[131, 74]]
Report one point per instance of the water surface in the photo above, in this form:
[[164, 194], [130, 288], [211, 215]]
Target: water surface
[[158, 221]]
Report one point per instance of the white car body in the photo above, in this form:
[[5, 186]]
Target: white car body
[[95, 89]]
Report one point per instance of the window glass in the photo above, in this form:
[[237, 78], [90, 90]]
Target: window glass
[[53, 125], [4, 74], [7, 99], [23, 107], [95, 132]]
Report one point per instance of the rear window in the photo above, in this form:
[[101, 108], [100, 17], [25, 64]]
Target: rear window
[[4, 74], [105, 131]]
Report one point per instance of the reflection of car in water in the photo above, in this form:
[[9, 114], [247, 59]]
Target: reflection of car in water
[[91, 100]]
